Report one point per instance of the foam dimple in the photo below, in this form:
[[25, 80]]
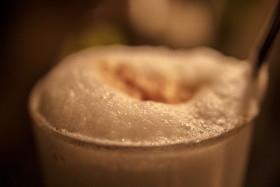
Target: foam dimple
[[78, 98]]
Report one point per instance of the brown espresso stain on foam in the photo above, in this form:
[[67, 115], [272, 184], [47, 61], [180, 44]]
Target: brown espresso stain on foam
[[145, 87]]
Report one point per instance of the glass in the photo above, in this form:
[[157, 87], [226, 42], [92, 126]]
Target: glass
[[219, 161]]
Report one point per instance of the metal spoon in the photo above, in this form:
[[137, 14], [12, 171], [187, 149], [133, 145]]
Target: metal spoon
[[258, 58]]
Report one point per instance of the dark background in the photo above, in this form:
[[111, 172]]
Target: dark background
[[35, 35]]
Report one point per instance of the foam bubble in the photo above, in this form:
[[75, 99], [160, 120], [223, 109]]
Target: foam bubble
[[200, 93]]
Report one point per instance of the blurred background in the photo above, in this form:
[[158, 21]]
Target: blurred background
[[36, 34]]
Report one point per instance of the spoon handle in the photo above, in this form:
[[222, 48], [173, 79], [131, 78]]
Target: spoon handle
[[268, 40]]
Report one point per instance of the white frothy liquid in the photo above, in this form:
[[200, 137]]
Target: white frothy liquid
[[134, 116]]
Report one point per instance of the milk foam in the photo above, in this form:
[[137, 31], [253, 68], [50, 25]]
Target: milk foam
[[77, 99]]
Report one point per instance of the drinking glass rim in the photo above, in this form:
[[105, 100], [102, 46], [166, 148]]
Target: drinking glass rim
[[98, 143]]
